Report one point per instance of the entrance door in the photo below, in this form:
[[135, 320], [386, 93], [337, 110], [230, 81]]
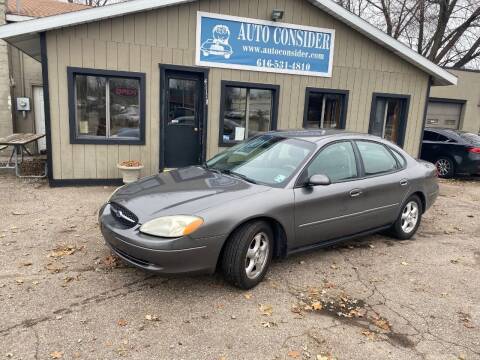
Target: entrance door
[[183, 118], [39, 116]]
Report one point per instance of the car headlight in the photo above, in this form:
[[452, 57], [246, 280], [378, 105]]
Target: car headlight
[[114, 192], [172, 226]]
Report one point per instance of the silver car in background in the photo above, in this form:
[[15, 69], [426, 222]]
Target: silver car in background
[[272, 196]]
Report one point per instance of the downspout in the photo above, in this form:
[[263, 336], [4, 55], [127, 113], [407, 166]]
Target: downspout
[[425, 109], [46, 104]]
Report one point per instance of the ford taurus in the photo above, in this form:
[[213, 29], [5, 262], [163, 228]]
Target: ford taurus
[[272, 196]]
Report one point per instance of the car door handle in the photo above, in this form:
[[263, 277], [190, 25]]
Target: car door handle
[[403, 182], [355, 192]]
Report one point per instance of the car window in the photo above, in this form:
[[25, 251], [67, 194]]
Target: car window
[[401, 160], [430, 136], [444, 138], [337, 161], [376, 158]]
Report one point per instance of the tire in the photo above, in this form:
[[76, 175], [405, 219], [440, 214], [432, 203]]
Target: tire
[[242, 268], [445, 167], [404, 227]]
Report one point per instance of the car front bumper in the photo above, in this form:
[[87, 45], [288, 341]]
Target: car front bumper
[[159, 255]]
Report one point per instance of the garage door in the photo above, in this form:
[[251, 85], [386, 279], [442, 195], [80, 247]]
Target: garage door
[[444, 114]]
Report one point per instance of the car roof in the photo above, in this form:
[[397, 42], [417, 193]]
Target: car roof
[[316, 135], [447, 132]]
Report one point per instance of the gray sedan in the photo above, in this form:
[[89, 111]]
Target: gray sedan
[[272, 196]]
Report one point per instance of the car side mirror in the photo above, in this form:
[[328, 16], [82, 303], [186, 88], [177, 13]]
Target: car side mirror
[[319, 179]]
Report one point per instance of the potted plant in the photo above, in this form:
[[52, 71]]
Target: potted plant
[[130, 170]]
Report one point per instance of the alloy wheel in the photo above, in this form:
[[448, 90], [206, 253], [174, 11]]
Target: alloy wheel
[[257, 255], [443, 167], [409, 217]]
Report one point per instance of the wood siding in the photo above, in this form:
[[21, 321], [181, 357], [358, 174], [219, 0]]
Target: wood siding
[[141, 42]]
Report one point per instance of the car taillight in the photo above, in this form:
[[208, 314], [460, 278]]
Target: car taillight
[[475, 150]]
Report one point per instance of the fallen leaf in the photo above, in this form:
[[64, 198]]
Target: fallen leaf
[[19, 213], [404, 263], [27, 263], [317, 305], [266, 310], [248, 296], [296, 310], [382, 324], [294, 354], [56, 355], [54, 268], [19, 281], [334, 267], [64, 250], [152, 317], [268, 324], [369, 334], [122, 322], [111, 261]]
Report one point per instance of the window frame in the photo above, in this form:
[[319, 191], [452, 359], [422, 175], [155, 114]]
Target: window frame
[[301, 180], [404, 113], [72, 72], [310, 90], [363, 175], [248, 85]]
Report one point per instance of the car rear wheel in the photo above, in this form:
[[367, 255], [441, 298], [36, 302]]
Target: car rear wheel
[[445, 167], [247, 254], [409, 219]]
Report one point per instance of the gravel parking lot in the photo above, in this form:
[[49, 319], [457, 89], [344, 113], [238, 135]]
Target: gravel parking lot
[[63, 296]]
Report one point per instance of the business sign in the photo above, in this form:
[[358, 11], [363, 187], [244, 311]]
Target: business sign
[[250, 44]]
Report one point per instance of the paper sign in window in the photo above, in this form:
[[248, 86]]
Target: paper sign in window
[[239, 133]]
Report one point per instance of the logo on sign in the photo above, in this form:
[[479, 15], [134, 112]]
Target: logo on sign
[[218, 45], [251, 44]]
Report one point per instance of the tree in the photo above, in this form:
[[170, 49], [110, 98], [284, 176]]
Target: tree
[[447, 32]]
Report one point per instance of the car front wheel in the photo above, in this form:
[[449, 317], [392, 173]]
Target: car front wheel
[[409, 219], [247, 254]]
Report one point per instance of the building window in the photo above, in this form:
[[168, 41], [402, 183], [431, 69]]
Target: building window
[[388, 118], [325, 108], [106, 106], [246, 110]]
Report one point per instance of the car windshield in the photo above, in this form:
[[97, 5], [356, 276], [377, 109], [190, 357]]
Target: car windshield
[[266, 159], [471, 138]]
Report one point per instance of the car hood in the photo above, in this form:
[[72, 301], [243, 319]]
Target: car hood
[[185, 191]]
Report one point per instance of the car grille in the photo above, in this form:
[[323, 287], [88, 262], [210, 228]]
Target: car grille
[[131, 258], [123, 215]]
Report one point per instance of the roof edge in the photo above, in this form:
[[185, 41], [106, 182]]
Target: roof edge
[[53, 22]]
